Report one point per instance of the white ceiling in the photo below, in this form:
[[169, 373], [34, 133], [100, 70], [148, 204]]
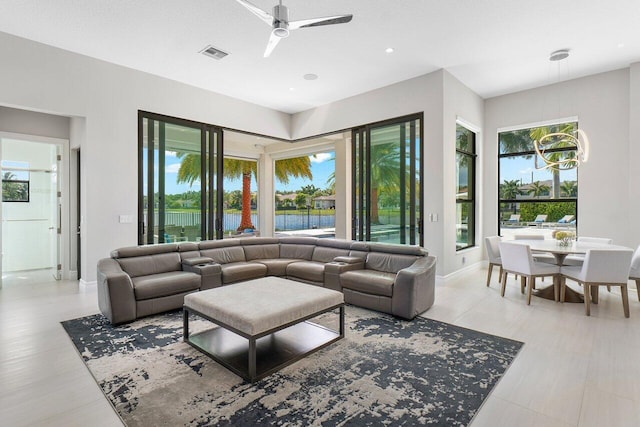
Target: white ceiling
[[492, 46]]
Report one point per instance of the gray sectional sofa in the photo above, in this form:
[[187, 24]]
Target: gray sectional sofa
[[143, 280]]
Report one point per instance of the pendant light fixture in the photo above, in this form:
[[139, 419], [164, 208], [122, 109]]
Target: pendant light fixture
[[546, 144]]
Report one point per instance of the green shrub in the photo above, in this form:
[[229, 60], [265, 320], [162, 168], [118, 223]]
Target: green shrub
[[553, 210]]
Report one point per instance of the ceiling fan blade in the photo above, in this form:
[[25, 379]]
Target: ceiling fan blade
[[273, 42], [266, 17], [316, 22]]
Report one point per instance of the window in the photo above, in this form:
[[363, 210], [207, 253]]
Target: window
[[305, 197], [387, 182], [531, 195], [465, 187], [179, 177], [15, 181]]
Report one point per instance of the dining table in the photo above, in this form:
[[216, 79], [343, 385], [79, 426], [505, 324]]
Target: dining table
[[560, 253]]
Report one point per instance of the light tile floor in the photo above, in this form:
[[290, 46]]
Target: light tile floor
[[572, 371]]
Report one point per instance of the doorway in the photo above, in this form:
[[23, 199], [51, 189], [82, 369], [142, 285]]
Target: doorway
[[31, 207]]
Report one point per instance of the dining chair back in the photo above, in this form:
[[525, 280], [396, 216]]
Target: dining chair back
[[517, 259], [602, 240], [601, 267], [528, 237], [578, 259], [492, 245]]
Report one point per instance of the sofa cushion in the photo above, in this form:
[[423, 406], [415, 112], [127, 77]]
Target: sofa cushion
[[164, 284], [324, 254], [306, 270], [269, 251], [151, 264], [136, 251], [369, 282], [389, 263], [276, 266], [225, 255], [240, 271], [296, 251]]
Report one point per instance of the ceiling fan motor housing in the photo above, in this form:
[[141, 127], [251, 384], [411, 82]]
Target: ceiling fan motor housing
[[280, 21]]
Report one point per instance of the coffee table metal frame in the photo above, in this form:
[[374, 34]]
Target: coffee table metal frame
[[256, 356]]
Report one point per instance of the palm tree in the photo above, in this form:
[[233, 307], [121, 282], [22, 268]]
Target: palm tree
[[297, 167], [384, 168], [537, 133], [538, 189], [509, 190], [569, 188]]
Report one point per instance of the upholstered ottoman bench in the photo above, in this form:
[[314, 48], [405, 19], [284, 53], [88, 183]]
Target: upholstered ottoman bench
[[263, 324]]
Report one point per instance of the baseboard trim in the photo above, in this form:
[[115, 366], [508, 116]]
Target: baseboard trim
[[84, 284], [442, 280], [73, 275]]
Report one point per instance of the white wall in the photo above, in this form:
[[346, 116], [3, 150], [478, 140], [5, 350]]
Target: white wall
[[601, 103], [459, 103], [31, 123], [42, 78], [633, 231]]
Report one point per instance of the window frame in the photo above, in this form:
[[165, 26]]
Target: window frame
[[525, 153], [471, 193]]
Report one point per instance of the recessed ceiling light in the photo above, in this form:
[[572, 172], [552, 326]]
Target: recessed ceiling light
[[620, 45], [310, 76], [389, 50], [292, 89]]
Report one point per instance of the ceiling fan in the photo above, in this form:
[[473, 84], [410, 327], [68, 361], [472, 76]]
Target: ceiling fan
[[280, 24]]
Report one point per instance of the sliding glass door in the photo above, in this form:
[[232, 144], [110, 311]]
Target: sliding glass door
[[387, 181], [180, 177]]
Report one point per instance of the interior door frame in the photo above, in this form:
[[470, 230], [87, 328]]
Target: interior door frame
[[64, 235]]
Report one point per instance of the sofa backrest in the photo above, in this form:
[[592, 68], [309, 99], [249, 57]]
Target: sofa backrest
[[188, 250], [261, 248], [359, 249], [146, 260], [327, 254], [297, 247], [222, 251], [387, 262]]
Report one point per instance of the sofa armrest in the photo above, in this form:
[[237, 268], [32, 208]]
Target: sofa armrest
[[116, 298], [332, 271], [349, 260], [414, 288], [196, 260], [209, 271]]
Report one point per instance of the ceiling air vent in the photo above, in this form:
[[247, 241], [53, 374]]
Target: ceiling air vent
[[213, 52]]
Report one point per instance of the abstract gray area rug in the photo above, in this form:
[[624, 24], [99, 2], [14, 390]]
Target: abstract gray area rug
[[384, 372]]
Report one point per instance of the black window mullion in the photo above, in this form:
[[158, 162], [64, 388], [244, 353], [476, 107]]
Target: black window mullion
[[412, 182], [403, 188], [150, 181], [205, 187], [161, 181]]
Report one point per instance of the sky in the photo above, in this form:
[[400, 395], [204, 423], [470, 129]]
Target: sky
[[322, 165], [524, 170]]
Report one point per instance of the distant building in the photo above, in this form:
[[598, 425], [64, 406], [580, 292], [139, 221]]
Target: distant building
[[324, 202]]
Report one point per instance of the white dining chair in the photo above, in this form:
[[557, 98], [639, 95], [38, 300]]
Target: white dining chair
[[634, 271], [601, 267], [492, 245], [548, 258], [578, 259], [517, 259]]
